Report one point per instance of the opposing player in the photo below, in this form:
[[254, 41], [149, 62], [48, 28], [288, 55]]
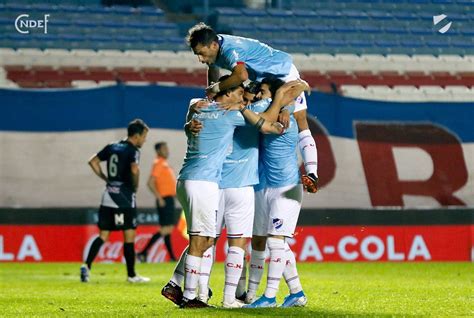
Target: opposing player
[[250, 59], [198, 191], [118, 207]]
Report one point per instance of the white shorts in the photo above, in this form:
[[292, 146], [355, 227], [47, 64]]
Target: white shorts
[[236, 210], [300, 102], [277, 210], [200, 201]]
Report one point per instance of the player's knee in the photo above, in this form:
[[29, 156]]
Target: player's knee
[[301, 120], [259, 242]]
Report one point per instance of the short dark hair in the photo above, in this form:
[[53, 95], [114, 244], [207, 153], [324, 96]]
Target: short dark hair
[[160, 144], [136, 127], [252, 87], [202, 34], [225, 91], [274, 83]]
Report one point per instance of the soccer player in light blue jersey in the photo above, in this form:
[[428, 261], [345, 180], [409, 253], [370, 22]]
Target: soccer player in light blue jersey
[[250, 59], [278, 204], [197, 188]]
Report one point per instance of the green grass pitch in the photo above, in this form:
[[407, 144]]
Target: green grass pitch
[[333, 289]]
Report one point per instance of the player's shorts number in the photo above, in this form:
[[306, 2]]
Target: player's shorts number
[[113, 165]]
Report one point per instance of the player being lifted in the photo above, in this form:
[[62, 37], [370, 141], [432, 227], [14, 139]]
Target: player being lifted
[[250, 59], [118, 207]]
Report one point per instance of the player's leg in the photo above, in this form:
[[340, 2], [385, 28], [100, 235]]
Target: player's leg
[[306, 142], [200, 200], [208, 258], [172, 290], [129, 255], [284, 204], [105, 224], [308, 149], [296, 298], [259, 240], [239, 214], [129, 233], [241, 291], [205, 273]]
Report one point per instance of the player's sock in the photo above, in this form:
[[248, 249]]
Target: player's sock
[[178, 274], [152, 241], [241, 286], [309, 152], [168, 247], [206, 266], [129, 254], [192, 266], [291, 273], [94, 249], [257, 263], [275, 266], [233, 269]]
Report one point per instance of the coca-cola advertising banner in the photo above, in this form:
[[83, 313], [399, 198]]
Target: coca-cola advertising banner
[[47, 243]]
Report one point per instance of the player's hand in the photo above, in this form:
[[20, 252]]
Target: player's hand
[[193, 127], [284, 118], [310, 182], [230, 106], [161, 202], [200, 104], [212, 90], [279, 129]]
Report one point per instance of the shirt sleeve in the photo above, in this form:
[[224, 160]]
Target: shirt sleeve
[[135, 156], [235, 56], [104, 153], [237, 118]]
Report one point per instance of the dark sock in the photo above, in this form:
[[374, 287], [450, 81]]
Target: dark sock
[[168, 246], [152, 241], [129, 253], [94, 249]]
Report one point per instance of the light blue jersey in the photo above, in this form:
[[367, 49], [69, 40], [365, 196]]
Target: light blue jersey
[[206, 152], [278, 159], [260, 59], [241, 164]]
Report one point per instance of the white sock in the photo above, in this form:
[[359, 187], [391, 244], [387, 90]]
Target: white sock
[[257, 263], [276, 266], [192, 266], [309, 152], [178, 274], [291, 273], [241, 286], [233, 269], [206, 266]]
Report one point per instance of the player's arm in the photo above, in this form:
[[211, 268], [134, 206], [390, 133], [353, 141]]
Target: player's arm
[[238, 76], [284, 96], [265, 126], [135, 172], [195, 106], [213, 74], [151, 185], [94, 163]]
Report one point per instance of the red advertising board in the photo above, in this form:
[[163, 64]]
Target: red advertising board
[[69, 243]]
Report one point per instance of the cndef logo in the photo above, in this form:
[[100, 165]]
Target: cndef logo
[[437, 19], [23, 24]]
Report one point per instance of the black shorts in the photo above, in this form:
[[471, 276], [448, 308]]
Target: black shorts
[[167, 214], [117, 219]]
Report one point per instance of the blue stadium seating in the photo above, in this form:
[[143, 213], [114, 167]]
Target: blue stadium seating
[[367, 26]]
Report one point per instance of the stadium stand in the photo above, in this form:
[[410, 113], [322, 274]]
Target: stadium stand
[[362, 48]]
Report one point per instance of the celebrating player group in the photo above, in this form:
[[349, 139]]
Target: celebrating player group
[[241, 171]]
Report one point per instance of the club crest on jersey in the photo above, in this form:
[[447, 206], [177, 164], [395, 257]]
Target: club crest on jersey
[[277, 223]]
